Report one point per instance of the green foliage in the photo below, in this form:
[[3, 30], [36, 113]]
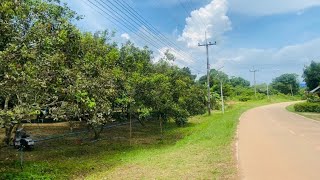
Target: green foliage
[[47, 63], [312, 98], [242, 93], [239, 81], [307, 107], [244, 98], [144, 113], [233, 88], [286, 84], [311, 75]]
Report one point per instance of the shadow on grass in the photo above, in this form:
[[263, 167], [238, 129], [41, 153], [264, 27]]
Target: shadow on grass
[[72, 157]]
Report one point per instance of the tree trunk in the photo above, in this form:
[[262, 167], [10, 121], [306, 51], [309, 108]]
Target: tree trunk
[[161, 127], [96, 134], [8, 125], [8, 134], [71, 125], [10, 128], [97, 131], [141, 121], [130, 127], [6, 103]]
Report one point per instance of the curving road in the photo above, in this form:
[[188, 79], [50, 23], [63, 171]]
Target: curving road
[[276, 144]]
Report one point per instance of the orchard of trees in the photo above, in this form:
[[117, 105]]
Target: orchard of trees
[[51, 68]]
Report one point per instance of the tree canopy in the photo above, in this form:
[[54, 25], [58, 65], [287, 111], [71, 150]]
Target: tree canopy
[[48, 64], [311, 75], [239, 81], [286, 84]]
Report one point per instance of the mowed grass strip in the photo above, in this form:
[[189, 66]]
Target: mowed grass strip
[[201, 150], [205, 152], [314, 116]]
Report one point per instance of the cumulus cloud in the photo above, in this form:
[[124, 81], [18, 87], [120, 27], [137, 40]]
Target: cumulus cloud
[[125, 36], [269, 7], [212, 18], [270, 62]]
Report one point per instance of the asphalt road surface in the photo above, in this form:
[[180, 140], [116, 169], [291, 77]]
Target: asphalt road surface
[[276, 144]]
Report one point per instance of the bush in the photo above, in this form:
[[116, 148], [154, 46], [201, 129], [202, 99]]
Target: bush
[[244, 98], [307, 107], [181, 121], [312, 98]]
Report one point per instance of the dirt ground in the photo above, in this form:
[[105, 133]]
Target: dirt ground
[[63, 137]]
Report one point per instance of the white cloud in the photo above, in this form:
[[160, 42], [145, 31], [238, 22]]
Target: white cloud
[[211, 18], [270, 62], [125, 36], [269, 7]]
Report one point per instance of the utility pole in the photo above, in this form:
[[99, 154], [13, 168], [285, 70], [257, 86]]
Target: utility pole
[[254, 80], [221, 90], [268, 91], [208, 69], [222, 101]]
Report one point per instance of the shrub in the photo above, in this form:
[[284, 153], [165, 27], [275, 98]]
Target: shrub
[[244, 98], [181, 121], [313, 98], [307, 107]]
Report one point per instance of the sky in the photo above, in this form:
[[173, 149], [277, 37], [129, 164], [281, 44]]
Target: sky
[[271, 36]]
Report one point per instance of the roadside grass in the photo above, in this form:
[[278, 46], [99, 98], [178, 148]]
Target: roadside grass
[[205, 152], [314, 116], [203, 149]]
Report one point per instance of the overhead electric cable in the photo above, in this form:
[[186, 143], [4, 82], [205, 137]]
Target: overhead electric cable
[[128, 25], [148, 25]]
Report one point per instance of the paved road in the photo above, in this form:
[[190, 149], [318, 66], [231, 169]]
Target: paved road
[[276, 144]]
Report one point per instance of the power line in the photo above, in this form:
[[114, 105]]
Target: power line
[[121, 23], [142, 20], [187, 13], [130, 26], [200, 18], [115, 22], [135, 24]]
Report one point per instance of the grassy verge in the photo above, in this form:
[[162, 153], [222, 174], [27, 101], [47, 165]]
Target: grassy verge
[[314, 116], [205, 152], [201, 150]]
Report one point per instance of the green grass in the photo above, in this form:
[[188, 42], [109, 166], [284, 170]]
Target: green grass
[[206, 152], [314, 116], [290, 108], [201, 150]]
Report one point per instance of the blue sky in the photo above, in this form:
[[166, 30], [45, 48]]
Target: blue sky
[[273, 36]]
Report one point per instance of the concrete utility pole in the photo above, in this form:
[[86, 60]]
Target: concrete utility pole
[[222, 101], [221, 90], [254, 80], [208, 69], [268, 91], [291, 89]]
